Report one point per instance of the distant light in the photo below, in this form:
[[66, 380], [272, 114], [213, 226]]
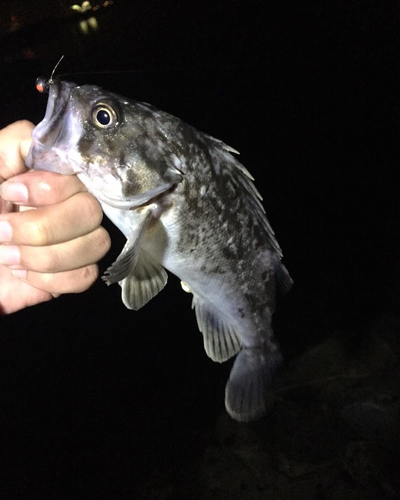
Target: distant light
[[86, 6], [84, 27], [14, 23], [82, 8], [92, 22], [87, 25]]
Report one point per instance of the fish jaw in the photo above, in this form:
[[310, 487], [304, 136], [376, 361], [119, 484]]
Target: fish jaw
[[53, 137], [97, 189]]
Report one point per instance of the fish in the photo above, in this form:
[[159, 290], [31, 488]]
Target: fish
[[185, 204]]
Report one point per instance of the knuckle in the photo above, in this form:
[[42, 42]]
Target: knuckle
[[103, 241], [38, 233], [87, 276], [40, 260], [45, 279], [91, 207], [22, 124], [50, 261]]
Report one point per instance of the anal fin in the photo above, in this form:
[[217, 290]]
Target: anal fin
[[143, 282], [220, 339]]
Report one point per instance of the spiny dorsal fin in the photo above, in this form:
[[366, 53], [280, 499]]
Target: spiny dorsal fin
[[244, 180]]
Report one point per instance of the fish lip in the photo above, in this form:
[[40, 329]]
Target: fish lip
[[47, 131]]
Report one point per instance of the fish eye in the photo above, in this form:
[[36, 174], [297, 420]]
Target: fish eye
[[104, 116]]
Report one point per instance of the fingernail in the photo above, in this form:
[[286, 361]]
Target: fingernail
[[14, 191], [9, 255], [5, 231], [19, 273]]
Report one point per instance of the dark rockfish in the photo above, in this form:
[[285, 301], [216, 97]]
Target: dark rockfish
[[185, 204]]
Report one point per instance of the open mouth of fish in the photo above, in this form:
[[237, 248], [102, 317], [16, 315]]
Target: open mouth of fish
[[52, 137], [55, 149]]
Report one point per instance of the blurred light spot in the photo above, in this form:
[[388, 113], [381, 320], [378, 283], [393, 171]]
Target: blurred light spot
[[84, 27], [81, 8], [92, 21], [88, 25]]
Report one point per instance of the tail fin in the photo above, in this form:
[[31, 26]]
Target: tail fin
[[250, 376]]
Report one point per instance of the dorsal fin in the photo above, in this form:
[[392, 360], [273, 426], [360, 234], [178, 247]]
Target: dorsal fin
[[241, 177]]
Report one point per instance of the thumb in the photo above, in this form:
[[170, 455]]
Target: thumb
[[15, 141]]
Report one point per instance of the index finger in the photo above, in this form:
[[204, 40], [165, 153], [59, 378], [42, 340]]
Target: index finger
[[15, 141], [38, 187]]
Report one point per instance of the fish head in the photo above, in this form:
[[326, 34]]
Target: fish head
[[107, 140]]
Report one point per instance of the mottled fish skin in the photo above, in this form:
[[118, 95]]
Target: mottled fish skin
[[186, 204]]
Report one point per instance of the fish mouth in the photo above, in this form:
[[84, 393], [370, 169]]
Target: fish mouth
[[54, 130]]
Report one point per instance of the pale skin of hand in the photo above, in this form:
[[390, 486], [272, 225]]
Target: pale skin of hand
[[52, 249]]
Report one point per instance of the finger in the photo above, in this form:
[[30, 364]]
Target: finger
[[37, 188], [75, 281], [16, 295], [15, 141], [80, 252], [49, 225]]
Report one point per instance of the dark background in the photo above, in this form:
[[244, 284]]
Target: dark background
[[91, 393]]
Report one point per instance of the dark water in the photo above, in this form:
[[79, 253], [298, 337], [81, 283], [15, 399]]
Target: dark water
[[307, 96]]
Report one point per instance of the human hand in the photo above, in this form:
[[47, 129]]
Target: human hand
[[54, 248]]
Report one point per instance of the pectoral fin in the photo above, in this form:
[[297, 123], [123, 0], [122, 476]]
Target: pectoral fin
[[220, 339], [144, 281], [128, 258]]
